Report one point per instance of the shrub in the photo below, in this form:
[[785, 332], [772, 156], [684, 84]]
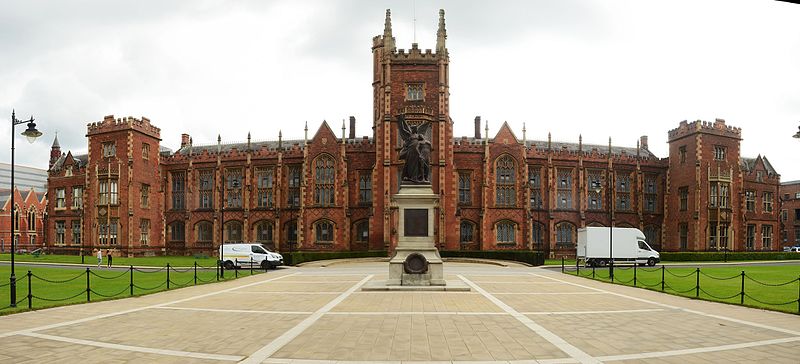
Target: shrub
[[294, 258], [525, 256], [720, 256]]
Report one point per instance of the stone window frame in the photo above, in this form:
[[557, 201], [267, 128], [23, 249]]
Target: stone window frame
[[293, 180], [365, 187], [682, 154], [506, 232], [177, 231], [234, 186], [750, 200], [623, 187], [324, 180], [77, 234], [768, 201], [321, 231], [145, 151], [204, 231], [31, 219], [178, 191], [465, 188], [109, 149], [77, 197], [766, 236], [233, 231], [650, 193], [265, 186], [415, 91], [144, 232], [466, 232], [653, 231], [565, 192], [750, 237], [505, 177], [205, 188], [61, 236], [683, 236], [144, 190], [566, 234], [720, 152], [61, 198], [16, 218], [594, 200], [538, 234], [357, 226], [264, 227], [535, 186]]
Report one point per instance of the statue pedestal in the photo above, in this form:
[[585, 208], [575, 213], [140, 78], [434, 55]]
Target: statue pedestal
[[416, 264]]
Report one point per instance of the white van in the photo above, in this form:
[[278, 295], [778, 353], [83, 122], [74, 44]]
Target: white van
[[629, 244], [248, 254]]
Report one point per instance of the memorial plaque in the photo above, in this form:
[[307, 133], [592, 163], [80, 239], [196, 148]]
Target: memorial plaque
[[415, 222]]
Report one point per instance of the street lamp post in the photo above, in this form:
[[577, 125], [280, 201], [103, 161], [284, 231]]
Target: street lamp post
[[597, 186], [31, 133]]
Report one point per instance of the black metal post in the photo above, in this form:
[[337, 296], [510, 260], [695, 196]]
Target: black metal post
[[131, 280], [235, 266], [592, 271], [577, 266], [798, 287], [217, 269], [30, 292], [562, 264], [31, 132], [634, 273], [167, 276], [222, 223], [251, 266], [741, 300], [697, 287], [662, 278], [88, 288], [195, 273]]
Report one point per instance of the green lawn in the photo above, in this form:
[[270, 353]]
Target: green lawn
[[770, 287], [60, 286], [175, 261]]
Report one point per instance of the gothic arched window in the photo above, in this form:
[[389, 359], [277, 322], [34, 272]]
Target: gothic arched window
[[323, 231], [565, 234], [467, 232], [324, 175], [204, 231], [505, 190], [506, 232]]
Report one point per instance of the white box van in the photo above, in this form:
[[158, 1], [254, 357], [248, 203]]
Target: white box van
[[629, 246], [247, 255]]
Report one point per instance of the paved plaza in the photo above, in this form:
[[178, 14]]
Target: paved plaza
[[318, 314]]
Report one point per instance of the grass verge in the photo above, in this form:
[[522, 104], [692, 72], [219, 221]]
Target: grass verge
[[770, 287]]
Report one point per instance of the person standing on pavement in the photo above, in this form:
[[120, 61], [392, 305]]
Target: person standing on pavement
[[99, 257], [108, 257]]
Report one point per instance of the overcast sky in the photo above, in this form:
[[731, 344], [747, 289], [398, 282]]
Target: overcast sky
[[597, 68]]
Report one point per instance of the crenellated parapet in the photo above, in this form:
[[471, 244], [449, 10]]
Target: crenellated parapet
[[717, 127], [109, 124], [415, 55]]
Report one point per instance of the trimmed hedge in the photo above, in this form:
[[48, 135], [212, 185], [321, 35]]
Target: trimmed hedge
[[525, 256], [294, 258], [731, 256]]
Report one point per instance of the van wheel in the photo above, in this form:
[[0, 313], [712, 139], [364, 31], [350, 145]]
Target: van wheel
[[651, 262], [228, 265], [602, 262], [264, 265]]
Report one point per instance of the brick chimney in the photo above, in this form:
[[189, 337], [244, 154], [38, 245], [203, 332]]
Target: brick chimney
[[352, 127], [184, 140], [477, 127], [643, 142]]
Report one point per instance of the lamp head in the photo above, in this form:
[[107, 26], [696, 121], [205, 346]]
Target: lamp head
[[31, 133]]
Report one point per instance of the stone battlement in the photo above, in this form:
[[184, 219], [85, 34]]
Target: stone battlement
[[717, 127], [109, 123]]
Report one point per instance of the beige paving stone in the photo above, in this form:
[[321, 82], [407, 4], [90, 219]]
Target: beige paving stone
[[649, 331], [22, 349], [571, 302], [264, 302], [531, 287], [416, 302], [301, 286], [215, 332], [787, 353], [409, 338]]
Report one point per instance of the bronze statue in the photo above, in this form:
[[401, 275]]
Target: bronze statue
[[416, 152]]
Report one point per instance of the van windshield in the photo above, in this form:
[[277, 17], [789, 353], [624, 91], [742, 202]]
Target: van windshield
[[258, 249]]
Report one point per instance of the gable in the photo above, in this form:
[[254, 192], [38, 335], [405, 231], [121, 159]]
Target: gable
[[505, 135]]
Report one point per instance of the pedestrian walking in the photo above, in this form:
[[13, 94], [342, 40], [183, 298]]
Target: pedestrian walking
[[99, 257], [109, 257]]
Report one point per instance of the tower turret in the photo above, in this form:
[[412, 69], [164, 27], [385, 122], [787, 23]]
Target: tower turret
[[441, 34], [55, 151]]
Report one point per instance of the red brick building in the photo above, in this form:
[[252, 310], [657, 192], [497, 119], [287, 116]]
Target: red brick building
[[790, 213], [334, 192], [27, 219]]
